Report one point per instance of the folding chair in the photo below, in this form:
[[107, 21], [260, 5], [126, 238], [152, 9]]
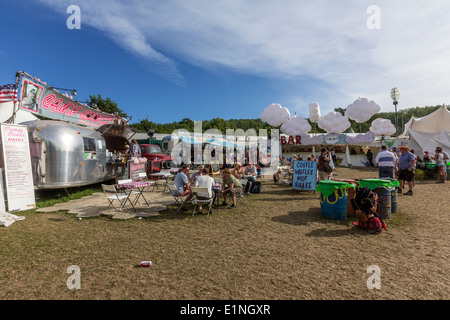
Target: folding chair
[[196, 200], [179, 200], [143, 177], [112, 195], [239, 197]]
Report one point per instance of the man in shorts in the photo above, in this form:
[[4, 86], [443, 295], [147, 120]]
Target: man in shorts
[[406, 164], [231, 186]]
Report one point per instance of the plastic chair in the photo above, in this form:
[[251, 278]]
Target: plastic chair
[[196, 200]]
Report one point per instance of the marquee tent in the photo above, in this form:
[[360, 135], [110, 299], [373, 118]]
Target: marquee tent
[[6, 112], [429, 132]]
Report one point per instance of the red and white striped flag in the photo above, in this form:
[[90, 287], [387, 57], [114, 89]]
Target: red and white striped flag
[[8, 92]]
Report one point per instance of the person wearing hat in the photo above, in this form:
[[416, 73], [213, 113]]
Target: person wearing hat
[[406, 164], [324, 158]]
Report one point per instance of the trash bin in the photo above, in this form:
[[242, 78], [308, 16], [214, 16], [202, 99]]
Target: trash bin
[[384, 202], [333, 199], [383, 187]]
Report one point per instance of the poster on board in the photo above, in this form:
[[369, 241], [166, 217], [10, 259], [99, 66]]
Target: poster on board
[[304, 176], [135, 168], [17, 167]]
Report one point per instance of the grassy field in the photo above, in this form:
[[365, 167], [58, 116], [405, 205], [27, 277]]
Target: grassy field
[[276, 247]]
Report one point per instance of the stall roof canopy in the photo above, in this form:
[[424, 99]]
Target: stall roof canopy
[[118, 130]]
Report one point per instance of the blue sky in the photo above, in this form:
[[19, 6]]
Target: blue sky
[[199, 59]]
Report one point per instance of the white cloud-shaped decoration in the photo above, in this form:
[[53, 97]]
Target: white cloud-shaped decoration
[[368, 137], [295, 126], [334, 122], [382, 127], [314, 112], [275, 115], [309, 140], [362, 110]]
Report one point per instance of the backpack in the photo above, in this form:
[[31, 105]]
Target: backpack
[[256, 188]]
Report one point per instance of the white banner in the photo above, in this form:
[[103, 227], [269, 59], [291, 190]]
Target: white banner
[[17, 167]]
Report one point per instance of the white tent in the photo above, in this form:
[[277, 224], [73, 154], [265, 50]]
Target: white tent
[[6, 112], [429, 132]]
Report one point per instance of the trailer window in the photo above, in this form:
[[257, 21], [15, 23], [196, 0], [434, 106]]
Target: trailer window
[[89, 148]]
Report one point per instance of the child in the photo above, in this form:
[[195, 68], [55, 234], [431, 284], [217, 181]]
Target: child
[[366, 201]]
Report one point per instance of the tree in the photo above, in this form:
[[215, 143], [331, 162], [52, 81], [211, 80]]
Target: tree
[[108, 105]]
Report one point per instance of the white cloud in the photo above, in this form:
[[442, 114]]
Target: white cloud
[[382, 127], [295, 126], [326, 41], [362, 110], [334, 122], [275, 115]]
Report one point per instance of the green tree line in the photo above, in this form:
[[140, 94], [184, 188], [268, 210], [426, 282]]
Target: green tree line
[[144, 125]]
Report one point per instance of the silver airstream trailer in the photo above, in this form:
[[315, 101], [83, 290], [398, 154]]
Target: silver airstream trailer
[[65, 155]]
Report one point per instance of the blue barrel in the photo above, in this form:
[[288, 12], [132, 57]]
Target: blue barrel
[[335, 205], [394, 201], [384, 202]]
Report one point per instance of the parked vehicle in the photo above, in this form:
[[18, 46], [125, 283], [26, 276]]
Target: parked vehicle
[[153, 152]]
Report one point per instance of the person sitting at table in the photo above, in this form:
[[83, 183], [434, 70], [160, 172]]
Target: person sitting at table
[[277, 178], [230, 187], [197, 174], [250, 173], [238, 171], [205, 181], [181, 183]]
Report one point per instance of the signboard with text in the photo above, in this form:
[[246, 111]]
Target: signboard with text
[[304, 176], [17, 167], [37, 98], [135, 168]]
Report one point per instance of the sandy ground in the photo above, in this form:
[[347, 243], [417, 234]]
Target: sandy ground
[[276, 247]]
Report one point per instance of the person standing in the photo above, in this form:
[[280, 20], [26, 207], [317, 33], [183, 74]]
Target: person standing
[[440, 165], [369, 155], [386, 162], [406, 164], [135, 150], [324, 159]]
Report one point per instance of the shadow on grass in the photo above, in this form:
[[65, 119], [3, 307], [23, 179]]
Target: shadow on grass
[[302, 218]]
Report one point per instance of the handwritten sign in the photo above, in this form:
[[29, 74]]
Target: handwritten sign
[[17, 167], [135, 169], [305, 175]]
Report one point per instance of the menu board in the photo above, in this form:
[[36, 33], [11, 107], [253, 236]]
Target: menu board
[[134, 169], [17, 167], [304, 176]]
